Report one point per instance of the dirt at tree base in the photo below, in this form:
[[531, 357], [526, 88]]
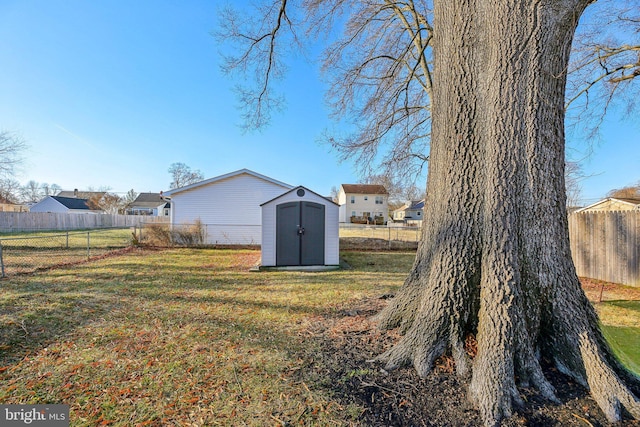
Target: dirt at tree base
[[401, 398]]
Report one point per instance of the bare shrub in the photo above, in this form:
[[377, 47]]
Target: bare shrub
[[156, 235], [165, 235], [188, 234]]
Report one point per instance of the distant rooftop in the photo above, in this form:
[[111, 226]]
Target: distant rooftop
[[72, 202], [81, 194], [364, 189]]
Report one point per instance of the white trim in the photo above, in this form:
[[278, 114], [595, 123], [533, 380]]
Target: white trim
[[225, 176]]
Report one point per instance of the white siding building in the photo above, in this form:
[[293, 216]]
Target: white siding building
[[228, 206], [363, 202]]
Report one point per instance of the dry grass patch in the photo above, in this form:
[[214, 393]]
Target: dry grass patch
[[177, 337], [191, 337]]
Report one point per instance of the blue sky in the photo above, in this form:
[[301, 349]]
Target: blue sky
[[110, 93]]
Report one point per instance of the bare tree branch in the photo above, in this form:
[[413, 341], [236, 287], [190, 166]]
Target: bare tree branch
[[12, 147], [605, 62], [379, 70]]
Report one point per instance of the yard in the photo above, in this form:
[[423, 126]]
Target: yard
[[191, 337]]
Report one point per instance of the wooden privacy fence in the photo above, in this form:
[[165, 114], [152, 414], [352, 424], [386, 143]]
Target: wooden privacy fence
[[30, 221], [606, 245]]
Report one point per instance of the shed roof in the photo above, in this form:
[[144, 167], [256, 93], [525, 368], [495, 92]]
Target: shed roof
[[328, 199], [364, 189]]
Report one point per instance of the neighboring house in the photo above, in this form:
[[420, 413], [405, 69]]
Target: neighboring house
[[612, 204], [152, 204], [7, 206], [411, 213], [62, 205], [363, 203], [228, 206]]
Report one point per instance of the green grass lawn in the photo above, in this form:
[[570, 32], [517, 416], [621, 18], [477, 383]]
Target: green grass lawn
[[191, 337], [621, 327]]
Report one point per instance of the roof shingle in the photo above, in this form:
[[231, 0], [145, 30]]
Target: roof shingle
[[364, 189]]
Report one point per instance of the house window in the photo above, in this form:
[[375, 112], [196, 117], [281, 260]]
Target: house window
[[379, 200], [353, 213], [353, 199], [366, 198], [418, 213]]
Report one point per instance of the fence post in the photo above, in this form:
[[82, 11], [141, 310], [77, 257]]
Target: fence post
[[88, 246], [1, 262], [67, 240]]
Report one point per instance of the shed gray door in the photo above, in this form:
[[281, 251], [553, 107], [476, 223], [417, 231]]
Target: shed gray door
[[300, 233]]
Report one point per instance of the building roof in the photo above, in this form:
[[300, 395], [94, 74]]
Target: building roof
[[226, 176], [72, 202], [416, 204], [364, 189], [628, 200], [81, 194], [148, 201], [413, 205], [633, 203]]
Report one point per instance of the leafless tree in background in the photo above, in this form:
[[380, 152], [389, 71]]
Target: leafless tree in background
[[109, 203], [629, 192], [12, 147], [573, 176], [605, 61], [32, 192], [182, 175], [379, 74], [50, 189], [10, 190], [129, 198]]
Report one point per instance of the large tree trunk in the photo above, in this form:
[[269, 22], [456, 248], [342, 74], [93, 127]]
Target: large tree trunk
[[494, 261]]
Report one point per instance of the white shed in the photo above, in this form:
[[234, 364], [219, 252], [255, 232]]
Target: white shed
[[228, 206], [300, 228]]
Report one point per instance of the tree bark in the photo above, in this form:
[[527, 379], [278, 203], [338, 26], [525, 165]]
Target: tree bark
[[494, 260]]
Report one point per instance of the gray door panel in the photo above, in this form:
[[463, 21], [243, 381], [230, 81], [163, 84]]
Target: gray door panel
[[300, 233]]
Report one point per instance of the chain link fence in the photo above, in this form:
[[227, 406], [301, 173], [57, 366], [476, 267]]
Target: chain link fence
[[25, 252], [198, 234], [28, 252]]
